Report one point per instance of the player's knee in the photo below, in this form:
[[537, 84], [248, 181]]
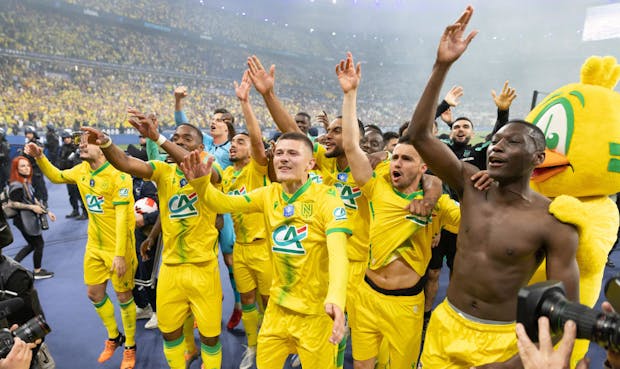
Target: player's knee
[[123, 297], [248, 298], [95, 295], [209, 341], [172, 336], [364, 364]]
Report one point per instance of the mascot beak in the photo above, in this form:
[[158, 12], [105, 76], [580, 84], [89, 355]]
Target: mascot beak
[[554, 163]]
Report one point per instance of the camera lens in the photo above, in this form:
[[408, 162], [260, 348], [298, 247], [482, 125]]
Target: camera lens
[[32, 330]]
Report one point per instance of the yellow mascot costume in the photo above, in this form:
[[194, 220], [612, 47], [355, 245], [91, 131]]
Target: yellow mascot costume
[[581, 122]]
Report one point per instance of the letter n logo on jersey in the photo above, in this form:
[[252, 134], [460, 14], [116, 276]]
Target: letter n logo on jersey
[[94, 203], [287, 239], [182, 206], [348, 195]]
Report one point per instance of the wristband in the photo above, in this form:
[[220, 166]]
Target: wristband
[[160, 140], [107, 144]]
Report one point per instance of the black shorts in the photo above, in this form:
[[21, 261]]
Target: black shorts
[[446, 248]]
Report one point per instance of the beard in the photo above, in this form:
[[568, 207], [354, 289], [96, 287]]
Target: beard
[[336, 152]]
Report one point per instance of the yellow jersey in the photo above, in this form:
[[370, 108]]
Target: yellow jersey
[[395, 232], [188, 226], [102, 191], [354, 200], [248, 226], [298, 226]]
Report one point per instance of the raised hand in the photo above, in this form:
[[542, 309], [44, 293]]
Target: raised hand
[[453, 96], [337, 316], [505, 98], [193, 167], [93, 136], [242, 90], [263, 81], [180, 92], [145, 124], [32, 149], [322, 118], [349, 74], [452, 44], [446, 116]]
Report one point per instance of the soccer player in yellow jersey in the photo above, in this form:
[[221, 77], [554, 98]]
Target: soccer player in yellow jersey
[[110, 249], [333, 166], [251, 255], [307, 227], [189, 277], [390, 301]]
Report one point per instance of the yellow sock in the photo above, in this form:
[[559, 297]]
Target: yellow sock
[[211, 356], [250, 322], [174, 350], [105, 309], [188, 332], [128, 315], [383, 358]]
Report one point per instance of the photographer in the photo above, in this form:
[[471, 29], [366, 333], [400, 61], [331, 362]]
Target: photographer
[[70, 157], [30, 216]]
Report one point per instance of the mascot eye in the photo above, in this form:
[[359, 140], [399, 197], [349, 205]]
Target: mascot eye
[[556, 121]]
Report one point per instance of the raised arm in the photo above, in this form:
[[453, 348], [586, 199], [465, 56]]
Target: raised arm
[[116, 156], [196, 171], [503, 102], [49, 170], [257, 149], [179, 94], [436, 154], [264, 82], [349, 76]]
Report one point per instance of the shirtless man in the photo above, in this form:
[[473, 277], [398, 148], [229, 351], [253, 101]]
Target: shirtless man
[[505, 232]]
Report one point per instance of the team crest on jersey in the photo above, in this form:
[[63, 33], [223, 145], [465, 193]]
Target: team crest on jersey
[[94, 203], [183, 206], [287, 239], [348, 194], [238, 191], [306, 209]]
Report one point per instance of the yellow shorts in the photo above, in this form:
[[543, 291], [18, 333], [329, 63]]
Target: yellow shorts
[[252, 267], [357, 270], [453, 341], [185, 288], [396, 319], [286, 332], [98, 269]]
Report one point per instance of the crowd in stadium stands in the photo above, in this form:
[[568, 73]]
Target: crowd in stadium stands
[[92, 76]]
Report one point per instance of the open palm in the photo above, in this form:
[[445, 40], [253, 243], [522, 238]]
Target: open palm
[[348, 73], [452, 44]]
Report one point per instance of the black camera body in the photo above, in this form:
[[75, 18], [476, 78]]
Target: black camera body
[[549, 299], [28, 332]]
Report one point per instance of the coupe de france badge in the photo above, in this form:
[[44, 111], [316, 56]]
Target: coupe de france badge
[[289, 210], [342, 177], [183, 182], [92, 182]]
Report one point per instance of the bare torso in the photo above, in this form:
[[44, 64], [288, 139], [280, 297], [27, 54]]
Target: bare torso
[[501, 242], [394, 276]]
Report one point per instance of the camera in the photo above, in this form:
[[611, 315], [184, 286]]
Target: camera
[[28, 332], [549, 299]]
